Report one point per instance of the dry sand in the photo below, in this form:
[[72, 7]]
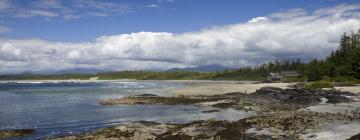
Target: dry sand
[[354, 89], [217, 88], [223, 87]]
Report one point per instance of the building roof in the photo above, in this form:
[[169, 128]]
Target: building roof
[[275, 75], [290, 73]]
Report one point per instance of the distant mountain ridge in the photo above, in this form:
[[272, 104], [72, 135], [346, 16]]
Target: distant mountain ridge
[[80, 71], [204, 68]]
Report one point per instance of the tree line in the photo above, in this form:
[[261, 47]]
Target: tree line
[[343, 62]]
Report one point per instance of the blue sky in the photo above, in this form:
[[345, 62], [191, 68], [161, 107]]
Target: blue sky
[[146, 15], [53, 35]]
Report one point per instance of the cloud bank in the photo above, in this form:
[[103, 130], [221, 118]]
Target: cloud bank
[[65, 9], [296, 33]]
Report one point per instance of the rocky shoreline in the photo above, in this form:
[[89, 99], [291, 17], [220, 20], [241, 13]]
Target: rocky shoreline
[[266, 99], [15, 133], [281, 114]]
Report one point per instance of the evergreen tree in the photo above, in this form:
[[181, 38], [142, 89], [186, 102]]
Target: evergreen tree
[[314, 70]]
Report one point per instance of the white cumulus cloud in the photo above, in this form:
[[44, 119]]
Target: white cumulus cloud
[[296, 33], [9, 53], [258, 19]]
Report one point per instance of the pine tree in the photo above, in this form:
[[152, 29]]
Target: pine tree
[[355, 62]]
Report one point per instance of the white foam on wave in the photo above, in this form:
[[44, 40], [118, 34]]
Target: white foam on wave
[[22, 82], [32, 82], [122, 82]]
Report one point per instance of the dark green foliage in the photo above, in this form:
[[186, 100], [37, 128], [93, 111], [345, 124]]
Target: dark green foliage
[[345, 60], [314, 70], [355, 62], [151, 75], [342, 65], [260, 72]]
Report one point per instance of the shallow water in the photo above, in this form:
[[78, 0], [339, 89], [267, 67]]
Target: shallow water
[[336, 131], [63, 108]]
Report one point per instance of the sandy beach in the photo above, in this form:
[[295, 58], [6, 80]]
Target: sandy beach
[[218, 88], [199, 87], [353, 89]]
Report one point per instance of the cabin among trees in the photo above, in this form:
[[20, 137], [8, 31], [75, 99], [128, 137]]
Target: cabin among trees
[[274, 77], [282, 76]]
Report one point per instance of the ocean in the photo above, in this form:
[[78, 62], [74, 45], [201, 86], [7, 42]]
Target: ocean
[[67, 108]]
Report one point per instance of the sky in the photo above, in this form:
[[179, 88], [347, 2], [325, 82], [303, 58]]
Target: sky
[[52, 35]]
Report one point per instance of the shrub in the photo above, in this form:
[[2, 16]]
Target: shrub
[[319, 85], [346, 80]]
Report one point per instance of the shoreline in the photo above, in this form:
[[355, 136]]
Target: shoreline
[[281, 111], [198, 87], [134, 80], [280, 114]]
